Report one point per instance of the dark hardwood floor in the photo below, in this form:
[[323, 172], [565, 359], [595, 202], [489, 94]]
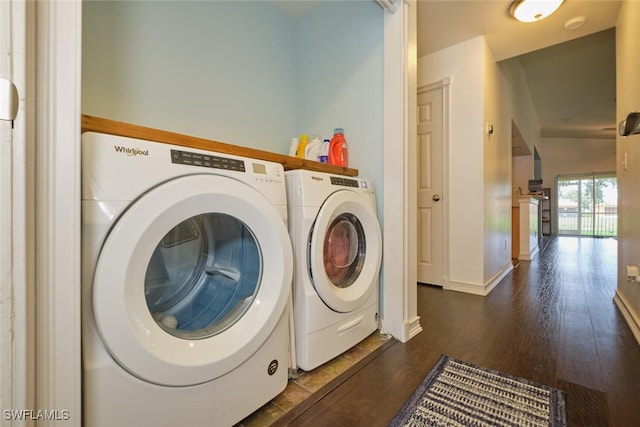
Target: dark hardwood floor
[[551, 320]]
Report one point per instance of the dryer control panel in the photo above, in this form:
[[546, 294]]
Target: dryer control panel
[[263, 172], [345, 182]]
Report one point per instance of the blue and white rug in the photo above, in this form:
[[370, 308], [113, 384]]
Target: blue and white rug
[[457, 393]]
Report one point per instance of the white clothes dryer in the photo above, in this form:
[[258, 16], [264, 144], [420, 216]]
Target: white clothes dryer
[[337, 247], [185, 284]]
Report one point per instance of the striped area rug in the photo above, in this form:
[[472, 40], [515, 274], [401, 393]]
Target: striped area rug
[[457, 393]]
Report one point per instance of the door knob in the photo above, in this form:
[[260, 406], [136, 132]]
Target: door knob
[[435, 197]]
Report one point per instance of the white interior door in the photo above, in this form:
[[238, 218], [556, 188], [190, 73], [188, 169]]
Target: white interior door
[[430, 187]]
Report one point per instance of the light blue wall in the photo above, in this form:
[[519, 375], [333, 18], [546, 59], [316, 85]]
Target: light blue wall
[[220, 70], [242, 72], [339, 79]]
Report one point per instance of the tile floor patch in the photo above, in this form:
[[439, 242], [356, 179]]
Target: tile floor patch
[[308, 382]]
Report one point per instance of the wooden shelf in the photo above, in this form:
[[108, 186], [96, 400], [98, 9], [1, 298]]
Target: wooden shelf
[[112, 127]]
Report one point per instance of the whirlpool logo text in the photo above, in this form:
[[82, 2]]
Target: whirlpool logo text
[[131, 151]]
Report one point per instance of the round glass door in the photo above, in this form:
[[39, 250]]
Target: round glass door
[[344, 250], [203, 276], [191, 280]]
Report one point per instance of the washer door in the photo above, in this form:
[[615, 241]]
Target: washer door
[[345, 251], [191, 280]]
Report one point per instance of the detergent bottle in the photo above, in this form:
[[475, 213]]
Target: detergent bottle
[[313, 149], [338, 150], [302, 145], [324, 152], [293, 147]]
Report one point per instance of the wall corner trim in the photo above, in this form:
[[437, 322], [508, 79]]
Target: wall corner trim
[[631, 317]]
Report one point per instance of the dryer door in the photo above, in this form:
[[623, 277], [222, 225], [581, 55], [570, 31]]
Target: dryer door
[[191, 280], [345, 251]]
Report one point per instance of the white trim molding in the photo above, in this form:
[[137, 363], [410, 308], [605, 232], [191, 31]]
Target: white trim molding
[[628, 314], [17, 289], [58, 340], [389, 5], [482, 289], [399, 286]]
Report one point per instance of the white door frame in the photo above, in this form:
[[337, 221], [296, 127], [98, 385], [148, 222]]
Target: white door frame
[[57, 179], [17, 373], [399, 290]]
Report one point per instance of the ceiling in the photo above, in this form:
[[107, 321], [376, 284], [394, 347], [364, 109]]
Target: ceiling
[[570, 73]]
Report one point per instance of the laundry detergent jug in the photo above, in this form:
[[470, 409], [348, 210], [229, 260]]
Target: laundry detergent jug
[[302, 145], [313, 149], [338, 150]]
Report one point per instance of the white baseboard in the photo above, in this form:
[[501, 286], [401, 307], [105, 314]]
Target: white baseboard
[[629, 315], [529, 256], [413, 327], [482, 289]]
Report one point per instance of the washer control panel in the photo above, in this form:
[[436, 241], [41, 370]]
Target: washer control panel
[[206, 161]]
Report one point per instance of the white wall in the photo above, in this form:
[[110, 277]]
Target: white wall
[[521, 172], [479, 168], [564, 156], [497, 170], [576, 155], [628, 99], [522, 110], [463, 64], [525, 119]]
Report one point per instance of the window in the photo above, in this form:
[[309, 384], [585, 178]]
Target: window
[[588, 204]]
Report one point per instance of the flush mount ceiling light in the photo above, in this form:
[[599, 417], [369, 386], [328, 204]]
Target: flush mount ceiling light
[[533, 10]]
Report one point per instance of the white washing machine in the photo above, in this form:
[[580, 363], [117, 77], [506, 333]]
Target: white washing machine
[[337, 249], [185, 285]]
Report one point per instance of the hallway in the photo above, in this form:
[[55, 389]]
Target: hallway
[[551, 320]]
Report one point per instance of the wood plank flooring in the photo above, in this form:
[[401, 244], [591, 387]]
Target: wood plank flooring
[[551, 320]]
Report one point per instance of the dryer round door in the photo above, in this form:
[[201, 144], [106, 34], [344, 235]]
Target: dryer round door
[[191, 280], [345, 251]]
